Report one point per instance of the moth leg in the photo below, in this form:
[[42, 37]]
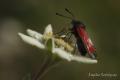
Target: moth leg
[[75, 49], [59, 33], [62, 32]]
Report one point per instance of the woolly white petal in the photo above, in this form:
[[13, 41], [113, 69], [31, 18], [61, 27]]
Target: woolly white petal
[[48, 29], [83, 59], [63, 54], [35, 34], [31, 41]]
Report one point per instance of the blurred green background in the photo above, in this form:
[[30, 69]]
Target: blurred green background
[[17, 59]]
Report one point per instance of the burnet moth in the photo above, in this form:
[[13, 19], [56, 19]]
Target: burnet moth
[[83, 42]]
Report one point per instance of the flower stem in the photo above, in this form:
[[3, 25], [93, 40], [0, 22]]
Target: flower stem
[[48, 63], [47, 70]]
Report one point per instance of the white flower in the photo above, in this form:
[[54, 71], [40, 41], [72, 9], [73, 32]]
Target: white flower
[[47, 41]]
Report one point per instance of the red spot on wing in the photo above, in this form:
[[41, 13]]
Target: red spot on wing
[[86, 40]]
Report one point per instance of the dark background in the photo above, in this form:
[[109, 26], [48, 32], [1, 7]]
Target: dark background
[[17, 59]]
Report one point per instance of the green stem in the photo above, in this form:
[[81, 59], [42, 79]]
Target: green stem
[[49, 62], [44, 65], [47, 70]]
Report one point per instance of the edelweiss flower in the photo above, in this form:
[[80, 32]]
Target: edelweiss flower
[[47, 41]]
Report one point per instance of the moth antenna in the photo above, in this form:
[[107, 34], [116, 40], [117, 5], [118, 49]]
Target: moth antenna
[[63, 16], [69, 12]]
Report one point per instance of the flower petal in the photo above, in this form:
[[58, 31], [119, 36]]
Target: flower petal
[[63, 54], [83, 59], [31, 41], [48, 32], [48, 29], [35, 34]]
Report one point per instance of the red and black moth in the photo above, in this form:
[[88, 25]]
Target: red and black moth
[[84, 43]]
